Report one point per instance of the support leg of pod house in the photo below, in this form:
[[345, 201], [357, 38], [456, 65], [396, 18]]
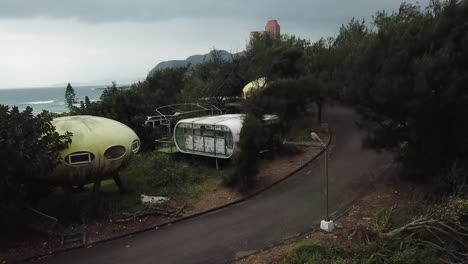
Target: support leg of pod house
[[97, 187], [118, 182]]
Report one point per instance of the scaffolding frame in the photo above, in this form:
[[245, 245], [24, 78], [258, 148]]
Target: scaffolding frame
[[167, 116]]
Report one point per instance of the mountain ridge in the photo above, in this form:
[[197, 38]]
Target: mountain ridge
[[193, 60]]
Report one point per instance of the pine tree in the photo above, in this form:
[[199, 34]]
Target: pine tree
[[70, 98]]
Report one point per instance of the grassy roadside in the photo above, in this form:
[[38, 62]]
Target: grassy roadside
[[391, 224], [149, 174]]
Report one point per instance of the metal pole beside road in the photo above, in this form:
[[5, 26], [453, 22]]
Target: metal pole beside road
[[326, 224]]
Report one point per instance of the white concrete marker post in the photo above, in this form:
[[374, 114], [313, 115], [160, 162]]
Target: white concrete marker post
[[327, 224]]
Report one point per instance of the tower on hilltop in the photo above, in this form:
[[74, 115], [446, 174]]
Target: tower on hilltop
[[272, 28]]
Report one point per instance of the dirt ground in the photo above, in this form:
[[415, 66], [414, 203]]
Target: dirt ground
[[350, 228], [214, 195]]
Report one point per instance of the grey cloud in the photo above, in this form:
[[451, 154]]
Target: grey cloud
[[99, 11]]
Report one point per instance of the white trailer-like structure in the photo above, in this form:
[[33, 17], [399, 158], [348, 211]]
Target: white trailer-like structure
[[212, 136], [167, 116]]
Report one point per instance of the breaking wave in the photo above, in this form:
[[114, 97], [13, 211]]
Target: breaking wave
[[39, 102]]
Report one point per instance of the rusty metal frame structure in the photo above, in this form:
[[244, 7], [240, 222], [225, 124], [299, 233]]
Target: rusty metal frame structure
[[168, 115]]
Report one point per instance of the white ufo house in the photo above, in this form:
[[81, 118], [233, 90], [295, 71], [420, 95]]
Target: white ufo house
[[212, 136]]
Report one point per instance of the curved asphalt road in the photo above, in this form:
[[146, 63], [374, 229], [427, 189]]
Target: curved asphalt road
[[288, 209]]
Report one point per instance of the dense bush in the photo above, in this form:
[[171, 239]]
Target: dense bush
[[148, 173], [159, 174], [407, 77], [29, 148], [245, 161], [420, 232], [368, 253]]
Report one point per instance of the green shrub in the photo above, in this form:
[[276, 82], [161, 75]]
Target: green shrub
[[159, 174], [382, 219], [310, 253], [29, 149], [147, 173], [109, 204], [377, 252], [246, 159]]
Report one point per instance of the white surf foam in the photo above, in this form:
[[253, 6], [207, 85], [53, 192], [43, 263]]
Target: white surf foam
[[39, 102]]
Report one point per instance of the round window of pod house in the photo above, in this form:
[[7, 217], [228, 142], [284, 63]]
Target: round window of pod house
[[135, 146], [79, 158], [115, 152]]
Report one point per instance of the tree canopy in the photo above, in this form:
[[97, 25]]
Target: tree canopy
[[29, 149], [409, 83], [405, 72], [70, 97]]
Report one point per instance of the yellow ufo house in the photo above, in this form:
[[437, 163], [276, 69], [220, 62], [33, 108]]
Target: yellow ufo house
[[253, 86], [100, 146]]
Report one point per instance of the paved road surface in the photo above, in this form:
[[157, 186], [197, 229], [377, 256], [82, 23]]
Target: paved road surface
[[293, 207]]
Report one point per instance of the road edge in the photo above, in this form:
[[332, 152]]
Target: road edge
[[336, 215], [221, 207]]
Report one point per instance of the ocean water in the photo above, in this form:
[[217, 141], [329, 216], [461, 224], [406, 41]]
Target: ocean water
[[50, 99]]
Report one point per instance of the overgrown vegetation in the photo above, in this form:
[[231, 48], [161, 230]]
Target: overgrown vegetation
[[433, 234], [407, 77], [159, 174], [246, 159], [369, 253], [149, 174], [29, 147], [405, 73]]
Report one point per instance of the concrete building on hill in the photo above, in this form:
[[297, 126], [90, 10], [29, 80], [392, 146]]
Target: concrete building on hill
[[272, 27]]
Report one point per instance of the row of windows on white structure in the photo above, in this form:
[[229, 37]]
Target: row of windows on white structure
[[213, 140], [112, 153]]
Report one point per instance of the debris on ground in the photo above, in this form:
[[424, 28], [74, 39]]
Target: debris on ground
[[148, 199], [162, 210]]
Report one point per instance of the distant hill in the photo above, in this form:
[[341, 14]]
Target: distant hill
[[193, 60]]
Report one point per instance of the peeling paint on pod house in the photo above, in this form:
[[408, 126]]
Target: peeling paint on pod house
[[100, 146]]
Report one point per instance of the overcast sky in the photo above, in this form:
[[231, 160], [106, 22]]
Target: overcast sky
[[50, 42]]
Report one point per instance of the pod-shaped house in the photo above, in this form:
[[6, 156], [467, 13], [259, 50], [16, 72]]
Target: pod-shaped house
[[213, 136], [100, 146]]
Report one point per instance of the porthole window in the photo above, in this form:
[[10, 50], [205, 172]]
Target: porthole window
[[115, 152], [135, 146], [79, 158]]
